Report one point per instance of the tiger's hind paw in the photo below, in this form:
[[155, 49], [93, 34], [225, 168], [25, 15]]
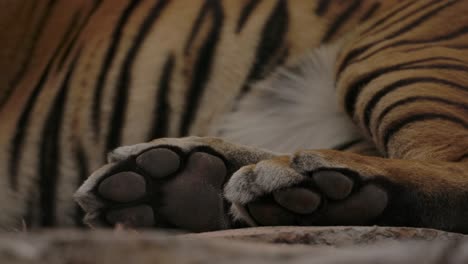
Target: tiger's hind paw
[[294, 191]]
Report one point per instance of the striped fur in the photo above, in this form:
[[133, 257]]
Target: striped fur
[[95, 75]]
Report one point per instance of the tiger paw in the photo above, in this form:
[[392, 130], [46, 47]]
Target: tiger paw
[[169, 183], [305, 189]]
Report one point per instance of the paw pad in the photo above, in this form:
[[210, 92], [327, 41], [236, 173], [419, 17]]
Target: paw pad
[[328, 197], [298, 200], [123, 187], [182, 193], [335, 185], [158, 163], [270, 214], [361, 207]]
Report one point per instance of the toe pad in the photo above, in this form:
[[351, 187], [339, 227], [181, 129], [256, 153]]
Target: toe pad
[[158, 163], [335, 185], [298, 200], [123, 187]]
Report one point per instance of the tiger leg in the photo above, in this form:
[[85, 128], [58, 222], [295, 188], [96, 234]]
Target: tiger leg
[[422, 183], [411, 100], [322, 187]]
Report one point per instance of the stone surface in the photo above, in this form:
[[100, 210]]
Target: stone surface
[[336, 236], [329, 246]]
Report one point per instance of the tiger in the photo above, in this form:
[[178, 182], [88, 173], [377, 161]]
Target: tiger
[[216, 114]]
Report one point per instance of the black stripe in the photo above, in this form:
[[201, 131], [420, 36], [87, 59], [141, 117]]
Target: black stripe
[[25, 65], [247, 10], [83, 172], [399, 85], [403, 17], [17, 142], [458, 33], [322, 7], [417, 99], [272, 39], [357, 86], [370, 12], [457, 46], [70, 45], [203, 64], [124, 81], [162, 109], [348, 144], [22, 126], [395, 127], [106, 65], [370, 107], [196, 27], [417, 21], [431, 46], [358, 51], [439, 66], [49, 153], [340, 20], [349, 59], [388, 16], [68, 32]]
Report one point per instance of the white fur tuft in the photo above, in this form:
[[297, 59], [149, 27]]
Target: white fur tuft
[[294, 108]]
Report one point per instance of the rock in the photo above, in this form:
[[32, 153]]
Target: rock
[[335, 236], [329, 245]]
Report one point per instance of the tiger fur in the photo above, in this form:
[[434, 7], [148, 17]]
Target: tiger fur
[[268, 74]]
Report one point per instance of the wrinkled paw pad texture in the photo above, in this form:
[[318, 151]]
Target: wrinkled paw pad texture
[[162, 188], [329, 198]]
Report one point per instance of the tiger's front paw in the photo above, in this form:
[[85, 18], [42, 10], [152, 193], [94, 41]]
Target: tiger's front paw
[[168, 183], [304, 189]]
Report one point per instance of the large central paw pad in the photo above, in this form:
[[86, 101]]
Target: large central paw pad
[[160, 187], [326, 197]]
